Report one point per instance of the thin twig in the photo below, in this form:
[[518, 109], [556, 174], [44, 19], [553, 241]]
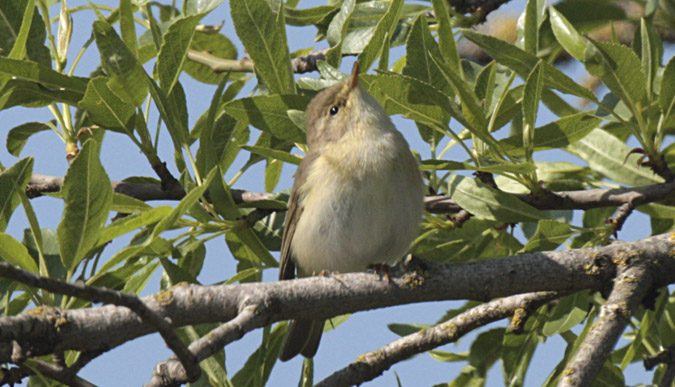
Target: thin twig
[[440, 204], [300, 65], [171, 373], [371, 365]]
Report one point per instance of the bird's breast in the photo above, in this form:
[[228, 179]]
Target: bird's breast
[[358, 208]]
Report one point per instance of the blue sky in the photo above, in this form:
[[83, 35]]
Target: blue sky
[[132, 363]]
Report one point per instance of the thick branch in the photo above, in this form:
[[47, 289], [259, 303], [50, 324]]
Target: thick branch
[[571, 200], [48, 330], [370, 365], [630, 288]]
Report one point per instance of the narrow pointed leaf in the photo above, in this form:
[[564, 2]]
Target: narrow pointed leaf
[[43, 75], [489, 203], [18, 136], [557, 134], [13, 179], [14, 252], [337, 29], [383, 30], [607, 155], [446, 39], [264, 36], [87, 193], [106, 109], [619, 69], [269, 114], [173, 53], [566, 34], [126, 76]]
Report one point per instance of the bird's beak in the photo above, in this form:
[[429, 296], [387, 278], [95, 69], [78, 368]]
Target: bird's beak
[[355, 76]]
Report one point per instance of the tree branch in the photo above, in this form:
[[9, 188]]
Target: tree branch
[[302, 64], [563, 200], [97, 294], [370, 365], [48, 330], [630, 288], [171, 372], [666, 357]]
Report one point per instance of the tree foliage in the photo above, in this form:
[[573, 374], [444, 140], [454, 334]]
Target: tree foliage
[[507, 115]]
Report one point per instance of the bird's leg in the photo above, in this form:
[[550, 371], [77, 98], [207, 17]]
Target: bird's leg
[[382, 269]]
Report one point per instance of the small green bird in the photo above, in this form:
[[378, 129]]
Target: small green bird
[[357, 198]]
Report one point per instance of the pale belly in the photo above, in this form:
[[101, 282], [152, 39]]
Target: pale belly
[[346, 230]]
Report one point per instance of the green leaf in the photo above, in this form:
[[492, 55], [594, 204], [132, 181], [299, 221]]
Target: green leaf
[[383, 30], [128, 26], [24, 38], [194, 7], [566, 34], [410, 97], [309, 16], [531, 27], [558, 80], [518, 349], [132, 222], [532, 95], [13, 179], [31, 94], [269, 114], [43, 75], [523, 62], [651, 50], [557, 134], [50, 251], [337, 30], [489, 203], [106, 109], [441, 165], [667, 92], [18, 136], [274, 154], [14, 252], [190, 199], [137, 283], [549, 235], [19, 47], [485, 349], [172, 108], [126, 76], [448, 356], [87, 193], [446, 39], [619, 69], [568, 313], [258, 366], [420, 48], [407, 329], [531, 98], [609, 156], [173, 53], [128, 205], [215, 44], [263, 35], [272, 174]]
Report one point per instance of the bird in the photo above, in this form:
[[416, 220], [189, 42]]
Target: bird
[[356, 201]]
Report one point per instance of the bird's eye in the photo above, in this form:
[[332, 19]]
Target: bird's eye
[[334, 110]]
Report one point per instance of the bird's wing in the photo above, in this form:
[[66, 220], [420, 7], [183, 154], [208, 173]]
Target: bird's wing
[[295, 209]]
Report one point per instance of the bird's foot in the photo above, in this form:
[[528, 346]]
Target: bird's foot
[[382, 270]]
